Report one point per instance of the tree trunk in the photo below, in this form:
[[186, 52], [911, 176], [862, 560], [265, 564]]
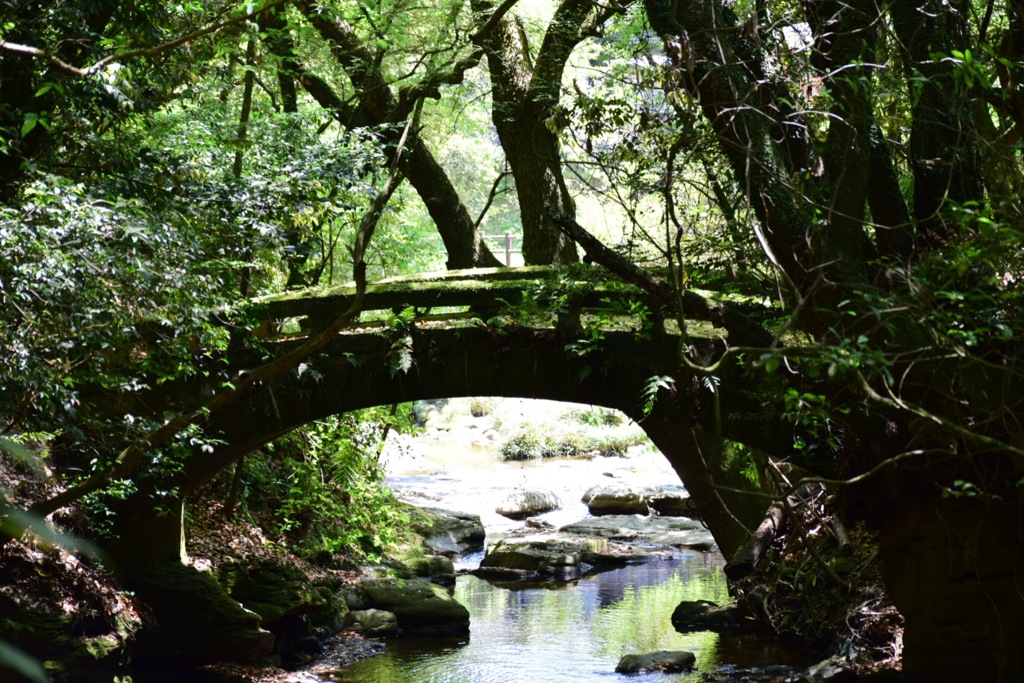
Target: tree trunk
[[525, 93], [149, 533], [532, 153], [466, 247], [953, 567], [729, 512], [943, 146]]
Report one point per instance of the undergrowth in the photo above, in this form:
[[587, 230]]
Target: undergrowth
[[320, 488], [830, 599]]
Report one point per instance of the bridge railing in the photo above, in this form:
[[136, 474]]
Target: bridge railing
[[547, 294]]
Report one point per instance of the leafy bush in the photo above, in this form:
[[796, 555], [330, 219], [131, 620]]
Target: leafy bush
[[596, 416], [327, 493], [480, 406], [523, 445]]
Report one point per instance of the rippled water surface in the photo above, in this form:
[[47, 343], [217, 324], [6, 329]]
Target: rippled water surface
[[569, 633], [574, 633]]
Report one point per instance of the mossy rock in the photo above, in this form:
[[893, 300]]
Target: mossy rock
[[66, 652], [447, 532], [525, 559], [274, 590], [196, 620], [435, 568], [421, 607], [657, 662]]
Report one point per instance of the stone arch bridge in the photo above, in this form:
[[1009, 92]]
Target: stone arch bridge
[[525, 333]]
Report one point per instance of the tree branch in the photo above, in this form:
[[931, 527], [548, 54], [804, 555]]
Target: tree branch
[[741, 329], [70, 69]]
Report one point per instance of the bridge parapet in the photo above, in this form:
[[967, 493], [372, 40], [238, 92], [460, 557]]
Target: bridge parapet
[[546, 295]]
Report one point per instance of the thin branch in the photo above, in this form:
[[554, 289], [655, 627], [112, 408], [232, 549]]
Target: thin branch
[[741, 329], [917, 411], [490, 197], [18, 48], [888, 462], [492, 21]]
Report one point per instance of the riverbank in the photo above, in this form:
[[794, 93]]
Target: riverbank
[[456, 463]]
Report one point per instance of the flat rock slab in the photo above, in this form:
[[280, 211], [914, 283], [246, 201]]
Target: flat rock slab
[[679, 532], [666, 661], [703, 615], [621, 499], [556, 557], [533, 557]]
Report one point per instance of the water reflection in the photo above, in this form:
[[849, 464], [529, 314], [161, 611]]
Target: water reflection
[[571, 633]]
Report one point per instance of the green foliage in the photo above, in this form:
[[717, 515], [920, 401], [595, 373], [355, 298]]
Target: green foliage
[[526, 444], [596, 416], [598, 431], [651, 388], [399, 331], [326, 488], [12, 658], [101, 506], [103, 286]]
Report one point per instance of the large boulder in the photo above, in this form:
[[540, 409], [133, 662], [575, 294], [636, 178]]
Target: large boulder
[[657, 662], [616, 499], [196, 620], [619, 499], [290, 606], [671, 500], [524, 503], [533, 558], [449, 533], [421, 607], [272, 589]]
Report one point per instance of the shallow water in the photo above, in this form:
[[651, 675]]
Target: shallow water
[[575, 633]]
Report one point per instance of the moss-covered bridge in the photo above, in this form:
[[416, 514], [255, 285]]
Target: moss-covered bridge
[[527, 333]]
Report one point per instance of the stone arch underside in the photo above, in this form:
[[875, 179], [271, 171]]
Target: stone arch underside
[[356, 373]]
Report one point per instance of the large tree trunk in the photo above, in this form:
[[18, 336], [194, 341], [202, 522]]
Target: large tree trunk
[[378, 106], [953, 567], [525, 92], [951, 563]]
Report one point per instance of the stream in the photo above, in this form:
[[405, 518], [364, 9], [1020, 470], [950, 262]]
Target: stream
[[553, 632]]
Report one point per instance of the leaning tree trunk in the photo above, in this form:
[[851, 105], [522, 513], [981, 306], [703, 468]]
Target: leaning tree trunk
[[378, 106], [525, 112], [725, 501]]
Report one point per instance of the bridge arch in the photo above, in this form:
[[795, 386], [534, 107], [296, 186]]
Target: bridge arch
[[356, 372]]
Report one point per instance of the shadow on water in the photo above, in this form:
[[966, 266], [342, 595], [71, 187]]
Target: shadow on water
[[575, 632]]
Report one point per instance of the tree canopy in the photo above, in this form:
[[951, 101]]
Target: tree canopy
[[834, 186]]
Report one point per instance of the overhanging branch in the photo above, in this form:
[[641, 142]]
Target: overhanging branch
[[742, 330], [70, 69]]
